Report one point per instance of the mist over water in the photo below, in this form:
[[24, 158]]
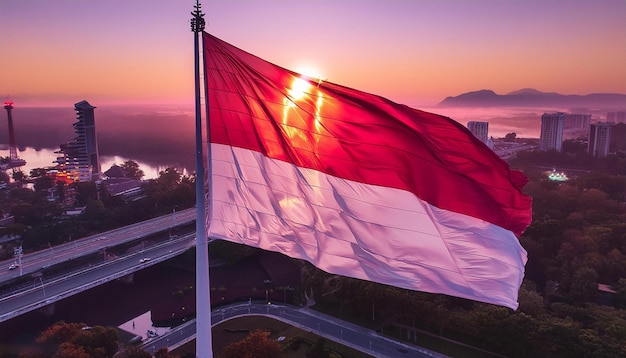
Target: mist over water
[[156, 137], [163, 136], [525, 122]]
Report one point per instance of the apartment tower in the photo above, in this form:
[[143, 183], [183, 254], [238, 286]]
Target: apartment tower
[[551, 136], [78, 158], [599, 139]]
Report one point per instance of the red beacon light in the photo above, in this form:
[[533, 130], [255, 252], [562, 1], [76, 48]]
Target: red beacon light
[[8, 103]]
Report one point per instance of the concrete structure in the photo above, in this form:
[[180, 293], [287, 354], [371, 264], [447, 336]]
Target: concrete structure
[[599, 139], [479, 129], [78, 158], [551, 136]]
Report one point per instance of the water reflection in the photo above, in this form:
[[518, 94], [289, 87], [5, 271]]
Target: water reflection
[[44, 157], [156, 137]]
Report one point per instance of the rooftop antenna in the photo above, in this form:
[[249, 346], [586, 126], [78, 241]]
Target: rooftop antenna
[[204, 346]]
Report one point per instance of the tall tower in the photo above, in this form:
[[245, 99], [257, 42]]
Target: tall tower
[[8, 105], [599, 139], [14, 161], [551, 131], [78, 159]]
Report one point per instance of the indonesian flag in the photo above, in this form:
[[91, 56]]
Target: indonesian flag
[[358, 185]]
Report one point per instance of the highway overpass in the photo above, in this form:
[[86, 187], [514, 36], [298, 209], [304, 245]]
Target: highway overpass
[[36, 284], [38, 260], [348, 334], [43, 290]]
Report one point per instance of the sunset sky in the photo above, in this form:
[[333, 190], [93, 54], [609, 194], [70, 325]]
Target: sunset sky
[[415, 52]]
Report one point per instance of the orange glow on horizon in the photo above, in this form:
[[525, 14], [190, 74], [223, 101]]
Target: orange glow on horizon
[[418, 52]]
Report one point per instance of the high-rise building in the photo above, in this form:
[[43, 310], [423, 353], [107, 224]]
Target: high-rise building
[[599, 139], [479, 129], [576, 121], [551, 136], [618, 138], [616, 117], [576, 125], [78, 158]]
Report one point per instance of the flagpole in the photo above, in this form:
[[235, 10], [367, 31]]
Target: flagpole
[[204, 346]]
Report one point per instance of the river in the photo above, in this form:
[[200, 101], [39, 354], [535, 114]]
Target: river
[[157, 137]]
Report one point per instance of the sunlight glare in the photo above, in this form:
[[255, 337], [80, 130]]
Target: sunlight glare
[[299, 88]]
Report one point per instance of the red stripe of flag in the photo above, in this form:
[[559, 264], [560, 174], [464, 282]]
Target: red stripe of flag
[[358, 136]]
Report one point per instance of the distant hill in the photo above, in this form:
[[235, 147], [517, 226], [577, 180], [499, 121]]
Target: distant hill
[[529, 97]]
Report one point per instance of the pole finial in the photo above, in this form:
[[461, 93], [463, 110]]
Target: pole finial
[[197, 21]]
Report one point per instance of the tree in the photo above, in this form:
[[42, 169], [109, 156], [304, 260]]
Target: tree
[[231, 252], [78, 340], [19, 175], [510, 136], [4, 177], [258, 344], [530, 301], [132, 352], [584, 284], [85, 192], [169, 178], [43, 183], [559, 336], [70, 350], [620, 296], [94, 210], [61, 191], [38, 173], [131, 168]]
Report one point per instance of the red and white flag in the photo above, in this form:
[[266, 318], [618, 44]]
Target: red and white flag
[[358, 185]]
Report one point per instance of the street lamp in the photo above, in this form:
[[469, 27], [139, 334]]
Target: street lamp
[[38, 275], [17, 252]]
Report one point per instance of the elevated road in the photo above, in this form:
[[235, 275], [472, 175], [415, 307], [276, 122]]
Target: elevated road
[[45, 291], [35, 261], [348, 334]]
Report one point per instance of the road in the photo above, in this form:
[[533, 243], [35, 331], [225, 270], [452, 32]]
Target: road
[[348, 334], [45, 291], [35, 261]]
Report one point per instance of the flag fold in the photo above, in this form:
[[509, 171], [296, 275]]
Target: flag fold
[[359, 185]]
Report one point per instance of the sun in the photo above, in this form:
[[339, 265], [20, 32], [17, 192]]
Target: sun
[[310, 72]]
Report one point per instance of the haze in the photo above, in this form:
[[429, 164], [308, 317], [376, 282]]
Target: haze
[[413, 52]]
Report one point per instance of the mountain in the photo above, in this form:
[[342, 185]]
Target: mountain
[[529, 97]]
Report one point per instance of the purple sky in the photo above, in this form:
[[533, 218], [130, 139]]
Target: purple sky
[[411, 51]]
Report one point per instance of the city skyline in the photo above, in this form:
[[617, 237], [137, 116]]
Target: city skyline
[[412, 52]]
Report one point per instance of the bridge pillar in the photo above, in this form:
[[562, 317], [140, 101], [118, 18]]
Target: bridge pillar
[[128, 279]]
